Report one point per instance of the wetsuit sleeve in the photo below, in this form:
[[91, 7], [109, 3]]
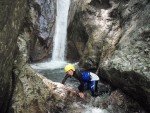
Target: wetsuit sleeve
[[65, 78], [81, 86]]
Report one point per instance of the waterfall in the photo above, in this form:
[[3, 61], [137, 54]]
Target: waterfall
[[59, 41]]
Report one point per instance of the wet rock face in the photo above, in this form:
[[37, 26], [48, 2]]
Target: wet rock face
[[77, 35], [98, 29], [128, 67], [30, 91], [40, 24], [117, 43], [12, 13], [121, 103]]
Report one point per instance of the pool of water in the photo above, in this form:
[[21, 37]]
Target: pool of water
[[57, 75], [54, 70]]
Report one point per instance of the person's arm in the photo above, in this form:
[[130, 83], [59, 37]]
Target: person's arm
[[81, 89], [64, 80]]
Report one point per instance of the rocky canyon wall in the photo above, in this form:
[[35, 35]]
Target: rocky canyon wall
[[40, 24], [26, 32], [116, 36], [12, 13]]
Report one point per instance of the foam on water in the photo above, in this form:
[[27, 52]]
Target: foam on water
[[95, 110], [49, 65]]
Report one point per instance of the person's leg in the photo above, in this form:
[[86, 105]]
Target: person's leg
[[85, 86], [96, 86], [92, 87]]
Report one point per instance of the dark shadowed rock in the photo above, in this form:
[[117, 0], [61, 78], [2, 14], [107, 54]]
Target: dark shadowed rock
[[12, 14], [22, 19]]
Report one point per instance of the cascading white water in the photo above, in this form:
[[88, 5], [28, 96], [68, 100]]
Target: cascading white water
[[59, 41]]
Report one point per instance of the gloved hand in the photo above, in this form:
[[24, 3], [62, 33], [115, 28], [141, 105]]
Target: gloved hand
[[81, 94]]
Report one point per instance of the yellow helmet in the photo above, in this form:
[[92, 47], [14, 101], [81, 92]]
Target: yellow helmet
[[69, 67]]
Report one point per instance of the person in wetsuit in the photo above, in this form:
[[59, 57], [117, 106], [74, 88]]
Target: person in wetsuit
[[88, 80]]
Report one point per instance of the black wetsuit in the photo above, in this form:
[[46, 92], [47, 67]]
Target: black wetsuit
[[77, 74]]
